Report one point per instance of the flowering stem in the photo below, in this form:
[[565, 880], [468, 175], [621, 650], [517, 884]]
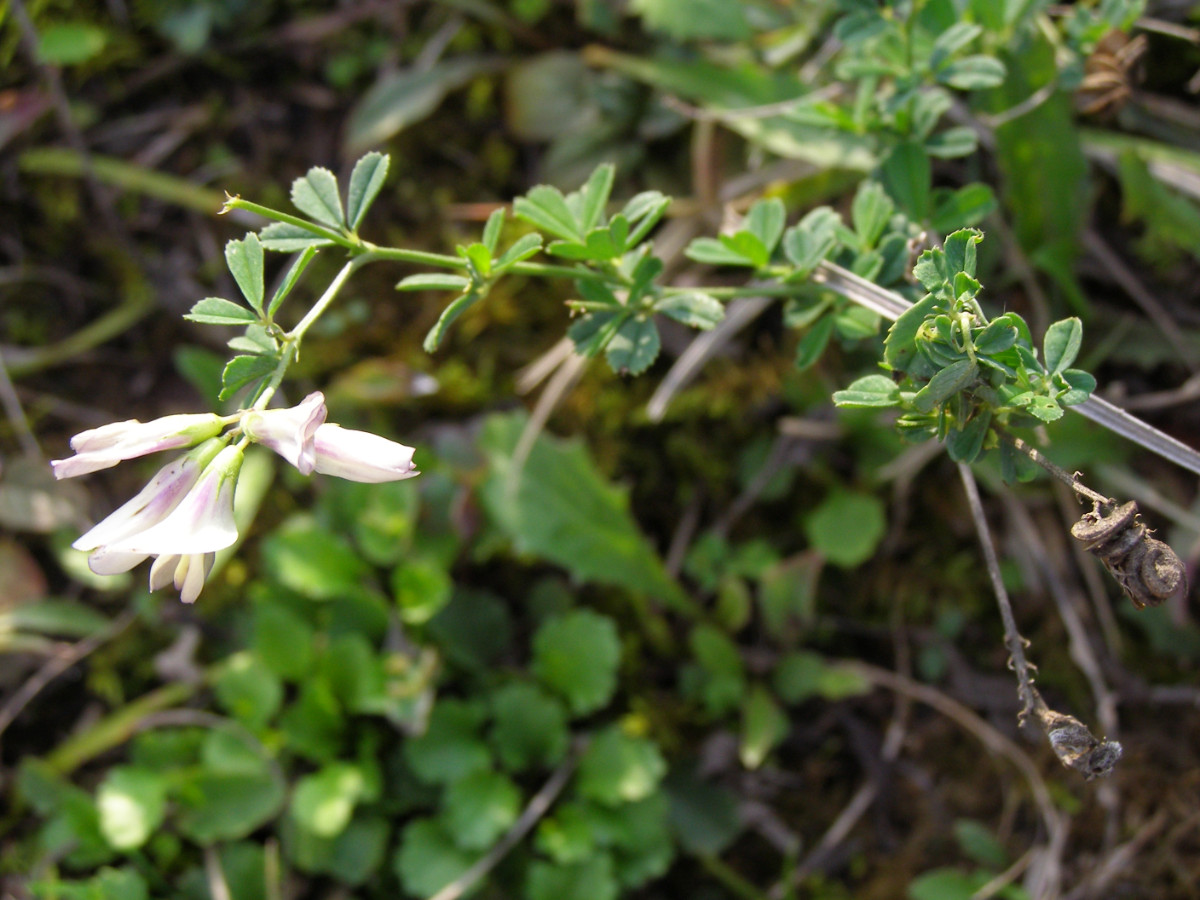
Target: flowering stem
[[291, 340]]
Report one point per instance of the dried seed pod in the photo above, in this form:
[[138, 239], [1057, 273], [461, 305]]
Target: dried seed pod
[[1075, 746], [1110, 74], [1146, 568]]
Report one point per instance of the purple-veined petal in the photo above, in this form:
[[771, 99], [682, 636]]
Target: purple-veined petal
[[104, 447], [289, 432], [154, 502], [202, 522], [361, 456]]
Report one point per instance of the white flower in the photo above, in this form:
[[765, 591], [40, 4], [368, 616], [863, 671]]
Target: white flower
[[182, 517], [151, 505], [361, 456], [289, 432], [202, 522], [104, 447], [188, 573]]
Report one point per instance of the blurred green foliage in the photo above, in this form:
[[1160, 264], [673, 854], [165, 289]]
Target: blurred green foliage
[[393, 681]]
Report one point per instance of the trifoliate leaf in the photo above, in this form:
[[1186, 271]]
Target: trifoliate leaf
[[316, 195], [493, 227], [966, 206], [618, 768], [576, 655]]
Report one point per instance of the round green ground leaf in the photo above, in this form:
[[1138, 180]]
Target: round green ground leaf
[[248, 690], [846, 527], [589, 880], [283, 640], [576, 656], [617, 768], [131, 802], [225, 806], [428, 859], [529, 728], [324, 801], [450, 748], [479, 808]]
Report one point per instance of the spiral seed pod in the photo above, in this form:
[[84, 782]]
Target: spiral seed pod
[[1146, 568]]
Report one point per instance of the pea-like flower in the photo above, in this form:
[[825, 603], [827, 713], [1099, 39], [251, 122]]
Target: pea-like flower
[[104, 447], [289, 432], [182, 517], [361, 456], [301, 436]]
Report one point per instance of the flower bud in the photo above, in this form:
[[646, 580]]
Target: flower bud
[[104, 447]]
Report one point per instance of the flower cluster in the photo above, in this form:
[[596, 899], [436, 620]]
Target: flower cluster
[[184, 515]]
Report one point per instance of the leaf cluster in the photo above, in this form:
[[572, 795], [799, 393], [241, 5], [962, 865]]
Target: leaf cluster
[[960, 376]]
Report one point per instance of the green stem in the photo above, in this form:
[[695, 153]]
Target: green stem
[[318, 230], [117, 727], [291, 341], [731, 293], [371, 253], [547, 270]]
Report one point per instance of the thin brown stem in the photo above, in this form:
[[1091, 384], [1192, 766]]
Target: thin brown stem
[[1070, 480], [1012, 638]]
